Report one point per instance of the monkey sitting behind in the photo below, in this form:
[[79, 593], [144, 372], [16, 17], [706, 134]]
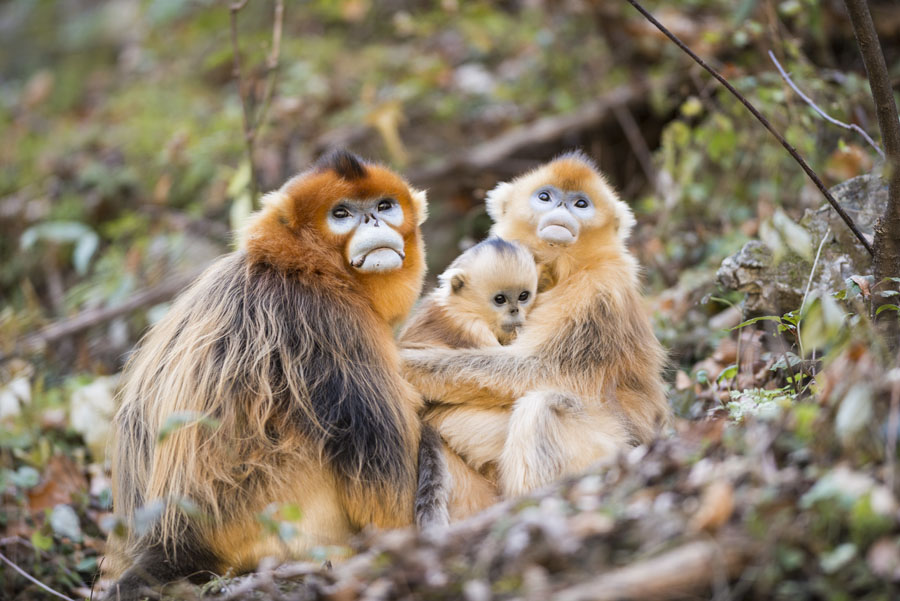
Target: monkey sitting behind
[[482, 299]]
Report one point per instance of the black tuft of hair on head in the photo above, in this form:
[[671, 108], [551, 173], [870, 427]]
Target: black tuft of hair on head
[[346, 164], [498, 244], [579, 155]]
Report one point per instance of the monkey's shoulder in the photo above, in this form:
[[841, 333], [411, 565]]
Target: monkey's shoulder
[[434, 325]]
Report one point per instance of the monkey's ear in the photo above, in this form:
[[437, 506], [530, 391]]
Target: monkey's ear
[[496, 200], [420, 202], [624, 219], [455, 279]]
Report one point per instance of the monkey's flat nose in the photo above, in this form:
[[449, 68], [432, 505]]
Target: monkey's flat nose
[[373, 217], [513, 310]]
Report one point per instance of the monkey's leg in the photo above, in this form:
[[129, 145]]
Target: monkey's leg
[[552, 434], [476, 434], [471, 491], [157, 566]]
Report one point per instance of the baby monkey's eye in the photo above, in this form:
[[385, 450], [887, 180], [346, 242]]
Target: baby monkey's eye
[[500, 299], [581, 203], [544, 196], [385, 205], [524, 296], [340, 213]]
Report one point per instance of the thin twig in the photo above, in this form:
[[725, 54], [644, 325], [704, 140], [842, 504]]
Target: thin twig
[[638, 144], [825, 115], [793, 152], [33, 579], [271, 67], [249, 133]]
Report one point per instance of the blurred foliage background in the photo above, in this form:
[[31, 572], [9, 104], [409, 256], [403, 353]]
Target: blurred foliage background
[[123, 170]]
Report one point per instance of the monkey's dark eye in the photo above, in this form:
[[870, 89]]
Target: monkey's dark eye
[[500, 299], [581, 203], [385, 205], [524, 296], [544, 197], [340, 213]]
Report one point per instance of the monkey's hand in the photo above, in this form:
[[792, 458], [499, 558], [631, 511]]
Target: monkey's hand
[[469, 375]]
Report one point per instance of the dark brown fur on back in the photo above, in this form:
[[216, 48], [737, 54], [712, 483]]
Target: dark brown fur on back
[[431, 325]]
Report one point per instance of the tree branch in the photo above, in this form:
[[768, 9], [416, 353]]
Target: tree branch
[[824, 115], [793, 152], [92, 317], [887, 230], [249, 133]]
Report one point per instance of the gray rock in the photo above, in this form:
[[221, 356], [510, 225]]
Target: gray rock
[[776, 288]]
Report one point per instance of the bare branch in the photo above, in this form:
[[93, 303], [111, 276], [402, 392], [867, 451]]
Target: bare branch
[[25, 574], [825, 115], [249, 133], [93, 317], [793, 152], [887, 229], [683, 571]]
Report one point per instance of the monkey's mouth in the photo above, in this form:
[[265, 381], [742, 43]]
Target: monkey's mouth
[[558, 227], [511, 326], [379, 259], [376, 251]]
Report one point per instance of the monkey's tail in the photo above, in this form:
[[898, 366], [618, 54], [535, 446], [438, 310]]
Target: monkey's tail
[[433, 492]]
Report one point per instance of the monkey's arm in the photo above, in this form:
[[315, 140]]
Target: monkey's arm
[[473, 376]]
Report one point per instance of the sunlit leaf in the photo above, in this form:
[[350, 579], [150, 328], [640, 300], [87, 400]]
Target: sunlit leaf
[[754, 320], [855, 411], [795, 237], [884, 308], [728, 373], [181, 419]]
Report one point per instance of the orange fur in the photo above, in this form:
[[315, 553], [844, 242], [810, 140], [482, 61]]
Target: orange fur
[[585, 373], [284, 356]]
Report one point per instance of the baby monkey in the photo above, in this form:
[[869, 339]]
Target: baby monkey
[[482, 299]]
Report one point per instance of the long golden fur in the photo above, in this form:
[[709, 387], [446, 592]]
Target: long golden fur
[[282, 357], [459, 313], [583, 378]]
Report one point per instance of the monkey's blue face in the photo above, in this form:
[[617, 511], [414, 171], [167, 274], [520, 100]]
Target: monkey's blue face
[[373, 242], [561, 213]]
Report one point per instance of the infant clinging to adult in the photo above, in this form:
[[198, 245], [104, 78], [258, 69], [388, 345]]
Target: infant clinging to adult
[[482, 299]]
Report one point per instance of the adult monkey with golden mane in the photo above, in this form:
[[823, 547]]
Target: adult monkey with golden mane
[[283, 355], [583, 379]]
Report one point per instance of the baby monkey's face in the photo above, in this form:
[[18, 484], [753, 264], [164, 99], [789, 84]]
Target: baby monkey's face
[[510, 306], [494, 282]]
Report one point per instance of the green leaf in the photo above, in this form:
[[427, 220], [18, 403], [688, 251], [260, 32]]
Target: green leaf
[[64, 522], [727, 373], [182, 419], [795, 237], [146, 516], [882, 308], [41, 542], [291, 512], [25, 477], [855, 411], [836, 559], [54, 231], [887, 293], [754, 320], [84, 250]]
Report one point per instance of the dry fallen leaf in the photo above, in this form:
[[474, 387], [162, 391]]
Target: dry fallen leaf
[[61, 479], [863, 284], [716, 506]]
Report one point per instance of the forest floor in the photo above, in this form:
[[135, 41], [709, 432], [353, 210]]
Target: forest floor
[[124, 171]]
